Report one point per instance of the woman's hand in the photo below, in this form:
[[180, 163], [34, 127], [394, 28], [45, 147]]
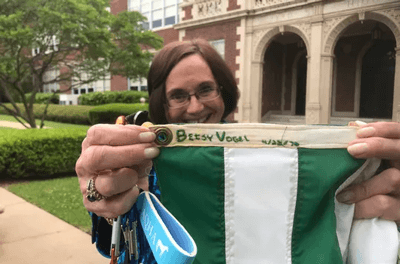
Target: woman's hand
[[119, 160], [379, 196]]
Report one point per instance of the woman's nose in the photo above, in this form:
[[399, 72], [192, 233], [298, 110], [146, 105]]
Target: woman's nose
[[194, 105]]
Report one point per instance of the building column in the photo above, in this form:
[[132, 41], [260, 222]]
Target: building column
[[326, 88], [313, 104], [396, 95], [255, 90]]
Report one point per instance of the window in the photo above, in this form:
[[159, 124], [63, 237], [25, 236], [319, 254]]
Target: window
[[159, 13], [170, 15], [157, 18], [49, 78], [219, 45], [137, 85], [101, 85]]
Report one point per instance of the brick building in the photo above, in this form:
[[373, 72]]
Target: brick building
[[302, 61]]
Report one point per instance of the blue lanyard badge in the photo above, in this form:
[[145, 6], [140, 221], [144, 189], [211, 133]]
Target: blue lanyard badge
[[168, 239]]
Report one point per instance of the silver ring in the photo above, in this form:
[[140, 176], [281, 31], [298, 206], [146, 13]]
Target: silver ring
[[92, 194]]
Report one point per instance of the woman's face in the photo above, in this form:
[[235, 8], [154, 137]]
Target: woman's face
[[189, 75]]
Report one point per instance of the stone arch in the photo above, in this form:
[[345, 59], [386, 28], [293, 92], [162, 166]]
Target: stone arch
[[262, 44], [334, 34], [294, 80]]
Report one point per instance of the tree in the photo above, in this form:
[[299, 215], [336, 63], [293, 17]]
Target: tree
[[71, 37]]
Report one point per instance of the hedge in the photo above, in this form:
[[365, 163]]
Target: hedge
[[39, 152], [110, 97], [72, 114], [41, 98], [107, 114]]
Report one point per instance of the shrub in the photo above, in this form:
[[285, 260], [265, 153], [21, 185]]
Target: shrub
[[39, 152], [107, 114], [41, 98], [110, 97], [73, 114]]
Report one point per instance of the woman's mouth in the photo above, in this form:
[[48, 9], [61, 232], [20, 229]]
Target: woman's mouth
[[197, 121]]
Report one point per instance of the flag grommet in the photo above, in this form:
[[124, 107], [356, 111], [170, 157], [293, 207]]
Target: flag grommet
[[163, 136]]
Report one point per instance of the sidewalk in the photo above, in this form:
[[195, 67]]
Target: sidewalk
[[13, 124], [30, 235]]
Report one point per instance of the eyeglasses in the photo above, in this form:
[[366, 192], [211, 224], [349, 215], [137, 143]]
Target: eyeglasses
[[181, 98]]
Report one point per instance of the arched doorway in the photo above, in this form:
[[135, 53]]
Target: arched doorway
[[301, 84], [377, 80], [284, 76], [363, 80]]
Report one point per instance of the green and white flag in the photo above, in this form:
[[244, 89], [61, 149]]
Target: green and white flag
[[261, 193]]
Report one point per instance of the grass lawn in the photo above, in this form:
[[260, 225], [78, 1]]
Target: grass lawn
[[46, 123], [60, 197]]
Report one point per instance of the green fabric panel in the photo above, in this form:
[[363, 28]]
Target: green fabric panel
[[192, 189], [321, 172]]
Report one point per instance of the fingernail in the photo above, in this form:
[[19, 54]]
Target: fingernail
[[151, 153], [147, 137], [147, 124], [345, 197], [357, 149], [366, 132], [148, 170], [360, 123]]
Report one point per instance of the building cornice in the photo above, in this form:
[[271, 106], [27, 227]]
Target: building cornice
[[237, 14]]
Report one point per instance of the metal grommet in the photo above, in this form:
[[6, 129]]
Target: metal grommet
[[163, 136]]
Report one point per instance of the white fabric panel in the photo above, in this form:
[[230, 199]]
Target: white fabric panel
[[344, 212], [265, 189], [373, 241], [366, 241]]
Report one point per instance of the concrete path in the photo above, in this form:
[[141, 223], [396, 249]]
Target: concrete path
[[29, 234], [11, 124]]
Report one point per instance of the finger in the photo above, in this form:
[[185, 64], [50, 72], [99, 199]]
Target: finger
[[98, 158], [115, 135], [382, 148], [113, 206], [112, 182], [380, 129], [382, 206], [144, 168], [116, 181], [85, 144], [387, 182]]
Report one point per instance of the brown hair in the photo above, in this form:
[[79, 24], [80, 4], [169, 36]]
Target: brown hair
[[170, 56]]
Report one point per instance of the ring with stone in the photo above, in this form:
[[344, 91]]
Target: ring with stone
[[92, 194]]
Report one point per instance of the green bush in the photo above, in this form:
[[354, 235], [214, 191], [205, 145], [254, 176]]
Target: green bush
[[39, 152], [107, 114], [73, 114], [111, 97], [41, 98]]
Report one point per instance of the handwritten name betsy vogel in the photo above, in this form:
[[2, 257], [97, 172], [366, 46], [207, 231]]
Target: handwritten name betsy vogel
[[222, 136]]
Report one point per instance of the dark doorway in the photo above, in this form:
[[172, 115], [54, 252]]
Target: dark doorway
[[377, 80], [301, 85]]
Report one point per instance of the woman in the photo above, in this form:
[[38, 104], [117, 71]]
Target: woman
[[189, 83]]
